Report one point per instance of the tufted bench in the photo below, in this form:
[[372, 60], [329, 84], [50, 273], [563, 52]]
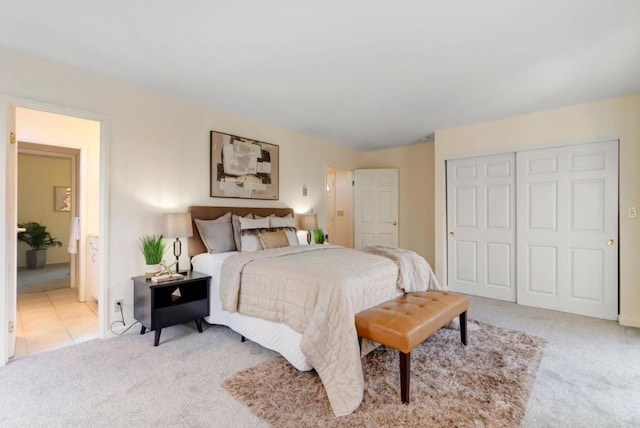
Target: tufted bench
[[405, 322]]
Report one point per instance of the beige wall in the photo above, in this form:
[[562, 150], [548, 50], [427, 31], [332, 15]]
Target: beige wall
[[617, 118], [159, 156], [37, 176], [416, 193]]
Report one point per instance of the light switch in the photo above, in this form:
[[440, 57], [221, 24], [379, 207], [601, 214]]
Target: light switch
[[632, 212]]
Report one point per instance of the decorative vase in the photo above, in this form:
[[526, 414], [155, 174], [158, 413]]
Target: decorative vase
[[36, 259], [151, 270]]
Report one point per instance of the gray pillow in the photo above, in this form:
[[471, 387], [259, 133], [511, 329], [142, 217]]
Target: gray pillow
[[217, 235]]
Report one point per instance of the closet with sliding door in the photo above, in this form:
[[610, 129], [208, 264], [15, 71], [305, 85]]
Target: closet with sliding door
[[538, 227]]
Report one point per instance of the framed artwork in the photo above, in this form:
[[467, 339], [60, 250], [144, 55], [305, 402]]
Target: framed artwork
[[62, 198], [243, 168]]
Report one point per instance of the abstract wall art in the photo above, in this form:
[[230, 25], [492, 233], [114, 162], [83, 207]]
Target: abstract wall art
[[243, 168]]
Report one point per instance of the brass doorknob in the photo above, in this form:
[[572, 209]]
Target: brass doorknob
[[395, 223], [611, 242], [452, 234]]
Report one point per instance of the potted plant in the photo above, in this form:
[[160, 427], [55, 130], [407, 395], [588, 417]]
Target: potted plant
[[318, 236], [153, 248], [39, 239]]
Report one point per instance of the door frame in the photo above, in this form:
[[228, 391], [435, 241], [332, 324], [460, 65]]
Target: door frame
[[8, 103], [60, 152]]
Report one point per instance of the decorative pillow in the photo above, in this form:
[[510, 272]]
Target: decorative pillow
[[217, 235], [235, 221], [249, 240], [275, 239], [288, 224]]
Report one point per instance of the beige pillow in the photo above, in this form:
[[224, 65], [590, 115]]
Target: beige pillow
[[217, 235], [275, 239], [286, 223]]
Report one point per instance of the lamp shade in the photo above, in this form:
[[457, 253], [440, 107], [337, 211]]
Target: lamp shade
[[307, 221], [177, 225]]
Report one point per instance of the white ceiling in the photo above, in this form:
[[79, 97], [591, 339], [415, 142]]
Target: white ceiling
[[366, 74]]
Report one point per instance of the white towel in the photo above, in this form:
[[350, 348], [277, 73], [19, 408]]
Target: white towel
[[74, 235]]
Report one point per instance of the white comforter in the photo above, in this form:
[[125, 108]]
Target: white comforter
[[316, 290]]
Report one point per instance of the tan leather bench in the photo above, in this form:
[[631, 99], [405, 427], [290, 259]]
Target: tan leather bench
[[407, 321]]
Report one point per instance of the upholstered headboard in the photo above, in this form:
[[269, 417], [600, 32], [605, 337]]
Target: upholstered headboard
[[196, 246]]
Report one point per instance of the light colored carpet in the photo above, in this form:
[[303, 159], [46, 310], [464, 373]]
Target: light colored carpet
[[589, 376], [486, 383]]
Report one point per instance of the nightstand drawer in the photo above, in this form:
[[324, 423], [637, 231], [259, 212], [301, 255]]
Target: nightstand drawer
[[179, 314]]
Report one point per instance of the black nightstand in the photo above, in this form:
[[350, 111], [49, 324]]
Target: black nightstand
[[159, 305]]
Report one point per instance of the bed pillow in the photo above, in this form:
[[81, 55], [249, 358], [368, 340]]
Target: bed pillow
[[235, 222], [275, 239], [288, 224], [217, 235], [249, 239]]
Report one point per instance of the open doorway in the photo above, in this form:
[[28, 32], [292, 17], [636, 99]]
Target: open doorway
[[339, 205], [58, 186]]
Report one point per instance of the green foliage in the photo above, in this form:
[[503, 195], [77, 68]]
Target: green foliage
[[318, 236], [37, 236], [153, 248]]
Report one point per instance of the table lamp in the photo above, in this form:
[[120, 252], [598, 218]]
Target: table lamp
[[307, 222], [177, 225]]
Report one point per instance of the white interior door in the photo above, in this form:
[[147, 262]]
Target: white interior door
[[568, 229], [376, 207], [481, 226]]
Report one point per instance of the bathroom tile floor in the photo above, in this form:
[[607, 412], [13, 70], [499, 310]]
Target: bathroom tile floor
[[53, 319]]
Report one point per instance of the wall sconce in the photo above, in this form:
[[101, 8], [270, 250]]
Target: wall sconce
[[177, 225], [304, 190]]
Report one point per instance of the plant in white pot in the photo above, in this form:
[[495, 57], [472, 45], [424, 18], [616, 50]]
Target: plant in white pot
[[39, 239], [153, 248]]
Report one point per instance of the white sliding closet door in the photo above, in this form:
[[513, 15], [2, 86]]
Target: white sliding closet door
[[567, 230], [481, 226]]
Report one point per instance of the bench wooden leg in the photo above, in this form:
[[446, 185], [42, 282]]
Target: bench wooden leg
[[405, 375], [463, 327]]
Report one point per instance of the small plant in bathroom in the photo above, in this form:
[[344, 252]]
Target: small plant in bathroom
[[39, 239]]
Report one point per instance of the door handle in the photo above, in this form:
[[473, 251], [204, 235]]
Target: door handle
[[611, 242], [395, 223], [452, 234]]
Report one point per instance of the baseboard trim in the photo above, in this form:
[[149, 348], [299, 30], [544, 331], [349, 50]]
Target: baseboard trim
[[629, 322]]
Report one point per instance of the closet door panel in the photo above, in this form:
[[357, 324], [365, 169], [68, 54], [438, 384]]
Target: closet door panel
[[481, 226], [567, 229]]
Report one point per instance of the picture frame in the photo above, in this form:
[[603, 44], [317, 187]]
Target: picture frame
[[62, 198], [243, 168]]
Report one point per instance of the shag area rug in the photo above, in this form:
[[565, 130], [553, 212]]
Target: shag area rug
[[485, 384]]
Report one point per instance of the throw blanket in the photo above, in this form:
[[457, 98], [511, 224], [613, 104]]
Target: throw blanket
[[413, 270], [317, 290]]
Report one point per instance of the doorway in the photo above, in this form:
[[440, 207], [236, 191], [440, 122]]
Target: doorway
[[54, 316], [339, 206], [49, 311]]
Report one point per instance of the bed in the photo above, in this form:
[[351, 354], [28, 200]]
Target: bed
[[298, 301]]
